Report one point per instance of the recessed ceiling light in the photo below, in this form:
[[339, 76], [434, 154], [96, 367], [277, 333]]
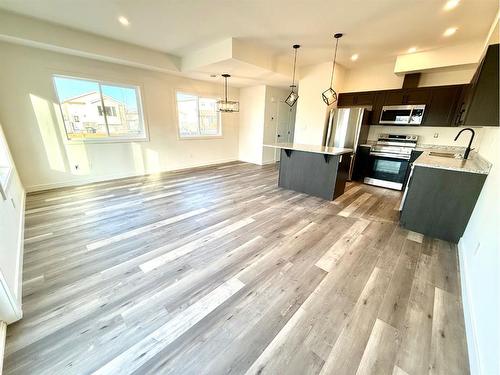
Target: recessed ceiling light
[[354, 57], [450, 4], [123, 20], [412, 49], [450, 31]]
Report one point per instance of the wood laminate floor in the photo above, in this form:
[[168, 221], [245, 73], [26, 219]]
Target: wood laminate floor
[[218, 271]]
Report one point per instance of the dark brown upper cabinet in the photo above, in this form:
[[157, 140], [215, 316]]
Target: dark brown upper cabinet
[[442, 102], [364, 98], [346, 99], [408, 96], [356, 98], [441, 109], [378, 103], [394, 97], [417, 96], [482, 103]]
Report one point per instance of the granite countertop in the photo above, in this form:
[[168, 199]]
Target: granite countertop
[[474, 164], [311, 148]]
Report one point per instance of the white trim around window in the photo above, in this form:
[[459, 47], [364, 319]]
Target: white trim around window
[[199, 135], [106, 136]]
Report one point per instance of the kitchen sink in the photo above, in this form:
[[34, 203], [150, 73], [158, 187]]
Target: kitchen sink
[[450, 155]]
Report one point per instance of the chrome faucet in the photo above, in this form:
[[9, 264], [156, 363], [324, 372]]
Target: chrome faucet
[[468, 149]]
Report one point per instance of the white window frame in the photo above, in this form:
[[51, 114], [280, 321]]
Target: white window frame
[[200, 136], [108, 138]]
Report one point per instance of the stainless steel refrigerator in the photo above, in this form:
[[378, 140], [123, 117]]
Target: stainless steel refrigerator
[[347, 128]]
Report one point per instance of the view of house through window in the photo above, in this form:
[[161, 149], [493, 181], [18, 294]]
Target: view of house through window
[[95, 110], [198, 116]]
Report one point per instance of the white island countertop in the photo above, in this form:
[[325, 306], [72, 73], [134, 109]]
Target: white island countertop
[[311, 148]]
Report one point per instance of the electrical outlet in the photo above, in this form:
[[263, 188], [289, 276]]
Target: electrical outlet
[[436, 135]]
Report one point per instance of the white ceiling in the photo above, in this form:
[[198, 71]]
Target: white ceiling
[[378, 30]]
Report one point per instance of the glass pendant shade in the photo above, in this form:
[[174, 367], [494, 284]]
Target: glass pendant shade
[[227, 105], [329, 96], [291, 99]]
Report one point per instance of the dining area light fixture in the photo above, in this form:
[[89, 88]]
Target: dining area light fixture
[[225, 105], [291, 99], [329, 95]]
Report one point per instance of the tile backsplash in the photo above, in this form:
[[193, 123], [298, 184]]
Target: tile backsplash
[[427, 134]]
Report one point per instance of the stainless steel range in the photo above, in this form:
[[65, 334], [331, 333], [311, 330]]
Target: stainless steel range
[[389, 160]]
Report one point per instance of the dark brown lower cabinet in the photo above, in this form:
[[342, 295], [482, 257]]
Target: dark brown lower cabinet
[[439, 202]]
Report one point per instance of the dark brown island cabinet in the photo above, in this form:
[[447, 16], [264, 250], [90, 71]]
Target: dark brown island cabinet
[[474, 104]]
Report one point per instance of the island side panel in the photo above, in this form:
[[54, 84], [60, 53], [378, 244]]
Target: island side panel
[[309, 172], [440, 202], [344, 168]]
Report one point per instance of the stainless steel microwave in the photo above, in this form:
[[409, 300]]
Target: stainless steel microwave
[[402, 114]]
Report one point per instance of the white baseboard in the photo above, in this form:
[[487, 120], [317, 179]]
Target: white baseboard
[[470, 319], [269, 162], [3, 335], [115, 176]]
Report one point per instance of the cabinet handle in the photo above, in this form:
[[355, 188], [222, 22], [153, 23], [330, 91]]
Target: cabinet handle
[[459, 119]]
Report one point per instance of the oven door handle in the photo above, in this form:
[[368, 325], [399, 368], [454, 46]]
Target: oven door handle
[[389, 155]]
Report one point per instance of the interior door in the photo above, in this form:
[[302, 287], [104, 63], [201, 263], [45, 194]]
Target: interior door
[[285, 125]]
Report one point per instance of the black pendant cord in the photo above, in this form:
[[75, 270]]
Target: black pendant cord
[[334, 59], [225, 88], [294, 62]]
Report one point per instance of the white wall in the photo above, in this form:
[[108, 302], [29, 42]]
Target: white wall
[[33, 126], [372, 77], [382, 77], [312, 112], [251, 123], [46, 35], [11, 247], [479, 253]]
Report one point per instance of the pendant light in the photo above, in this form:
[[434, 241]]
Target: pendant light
[[227, 105], [329, 95], [293, 96]]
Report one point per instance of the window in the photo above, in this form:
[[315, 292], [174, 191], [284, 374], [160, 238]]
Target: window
[[82, 102], [110, 111], [198, 116]]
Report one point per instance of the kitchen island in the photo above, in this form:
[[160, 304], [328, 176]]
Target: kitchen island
[[315, 170]]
